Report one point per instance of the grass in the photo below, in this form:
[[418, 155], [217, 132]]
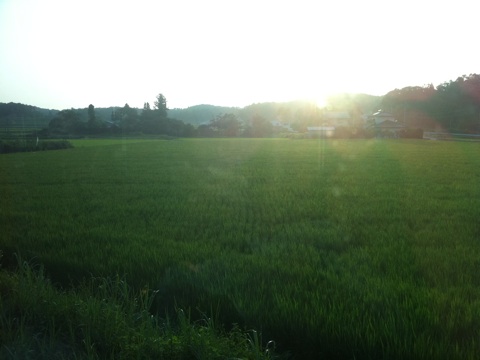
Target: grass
[[103, 318], [342, 249]]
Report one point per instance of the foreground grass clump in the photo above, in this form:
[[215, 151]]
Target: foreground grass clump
[[105, 319], [361, 249]]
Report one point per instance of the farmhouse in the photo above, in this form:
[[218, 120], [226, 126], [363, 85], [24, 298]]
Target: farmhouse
[[379, 117], [384, 124]]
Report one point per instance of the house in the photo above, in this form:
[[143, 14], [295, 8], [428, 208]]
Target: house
[[383, 124], [379, 117], [386, 129]]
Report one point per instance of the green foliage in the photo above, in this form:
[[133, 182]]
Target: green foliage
[[258, 127], [14, 115], [225, 125], [130, 121], [334, 248], [453, 105], [160, 105], [94, 125], [152, 122], [23, 145], [127, 118], [67, 122], [200, 114], [104, 318], [411, 134]]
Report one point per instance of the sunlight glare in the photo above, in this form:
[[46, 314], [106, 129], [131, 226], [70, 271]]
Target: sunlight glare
[[321, 102]]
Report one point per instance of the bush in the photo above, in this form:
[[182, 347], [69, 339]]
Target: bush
[[411, 134], [20, 145], [54, 145]]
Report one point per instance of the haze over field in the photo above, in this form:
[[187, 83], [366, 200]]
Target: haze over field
[[58, 54]]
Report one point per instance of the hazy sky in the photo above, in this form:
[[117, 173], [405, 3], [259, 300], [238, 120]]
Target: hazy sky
[[68, 53]]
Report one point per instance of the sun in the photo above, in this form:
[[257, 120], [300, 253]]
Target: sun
[[321, 101]]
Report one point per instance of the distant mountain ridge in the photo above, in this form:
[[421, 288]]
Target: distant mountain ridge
[[200, 114], [291, 111], [28, 116]]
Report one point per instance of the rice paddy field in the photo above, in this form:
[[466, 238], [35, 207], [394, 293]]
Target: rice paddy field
[[348, 249]]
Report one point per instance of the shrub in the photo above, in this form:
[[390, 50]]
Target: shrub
[[411, 133], [21, 145], [54, 145]]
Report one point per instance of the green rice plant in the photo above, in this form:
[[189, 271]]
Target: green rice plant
[[341, 249]]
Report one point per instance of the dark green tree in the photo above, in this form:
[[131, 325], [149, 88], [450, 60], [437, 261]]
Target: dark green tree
[[258, 127], [150, 120], [67, 122], [128, 118], [189, 130], [453, 105], [160, 105], [94, 125], [226, 125], [91, 116], [205, 130]]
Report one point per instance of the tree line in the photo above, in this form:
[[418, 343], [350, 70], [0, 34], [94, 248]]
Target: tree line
[[452, 106], [125, 120], [153, 121]]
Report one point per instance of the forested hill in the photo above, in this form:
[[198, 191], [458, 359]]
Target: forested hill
[[452, 106], [289, 112], [28, 116], [14, 115], [200, 114]]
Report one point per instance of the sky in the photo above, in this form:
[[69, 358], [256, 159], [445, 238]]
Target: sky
[[62, 54]]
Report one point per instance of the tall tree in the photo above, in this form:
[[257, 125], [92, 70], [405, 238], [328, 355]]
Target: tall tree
[[160, 105], [66, 122], [148, 120], [91, 117], [128, 118]]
